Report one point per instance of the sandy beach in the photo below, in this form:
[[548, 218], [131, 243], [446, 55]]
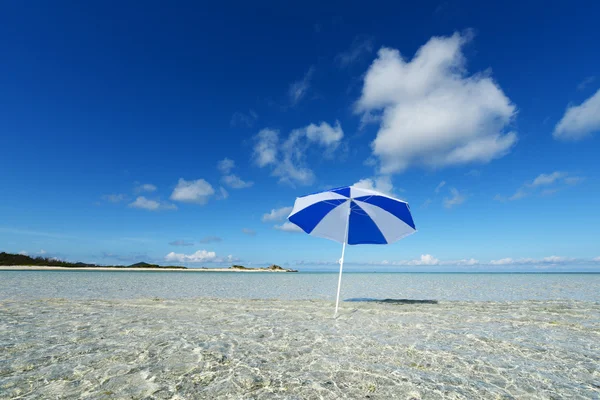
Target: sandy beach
[[125, 269], [271, 349]]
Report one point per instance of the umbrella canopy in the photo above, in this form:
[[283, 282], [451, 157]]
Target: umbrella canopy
[[352, 215]]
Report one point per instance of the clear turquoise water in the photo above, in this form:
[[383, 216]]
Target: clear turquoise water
[[123, 335], [298, 286]]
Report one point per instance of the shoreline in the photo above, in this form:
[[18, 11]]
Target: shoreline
[[125, 269]]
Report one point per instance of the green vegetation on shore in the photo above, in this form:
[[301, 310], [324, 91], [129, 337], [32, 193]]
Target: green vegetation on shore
[[8, 259]]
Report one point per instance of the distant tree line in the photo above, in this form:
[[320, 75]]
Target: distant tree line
[[7, 259]]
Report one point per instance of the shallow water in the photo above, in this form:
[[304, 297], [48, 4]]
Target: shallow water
[[227, 348], [115, 335], [297, 286]]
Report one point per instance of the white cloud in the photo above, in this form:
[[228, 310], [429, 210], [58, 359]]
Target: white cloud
[[456, 199], [466, 262], [277, 214], [555, 181], [198, 191], [223, 193], [299, 88], [265, 149], [197, 257], [361, 46], [503, 261], [151, 205], [548, 179], [23, 253], [248, 231], [225, 165], [381, 184], [113, 198], [586, 82], [426, 259], [235, 182], [243, 119], [554, 259], [551, 260], [580, 121], [430, 260], [432, 112], [288, 158], [440, 186], [144, 187], [288, 227], [325, 134], [519, 194], [291, 173]]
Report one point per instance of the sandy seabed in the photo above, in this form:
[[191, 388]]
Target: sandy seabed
[[271, 349]]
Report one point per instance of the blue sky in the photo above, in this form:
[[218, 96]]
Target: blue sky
[[180, 133]]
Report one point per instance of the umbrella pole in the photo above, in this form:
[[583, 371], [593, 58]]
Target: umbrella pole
[[337, 299]]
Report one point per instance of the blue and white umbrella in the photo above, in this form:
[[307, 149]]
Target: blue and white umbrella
[[352, 215]]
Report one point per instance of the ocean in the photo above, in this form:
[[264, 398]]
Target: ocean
[[299, 286], [159, 335]]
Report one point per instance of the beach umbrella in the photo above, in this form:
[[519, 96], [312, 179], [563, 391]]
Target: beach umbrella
[[352, 215]]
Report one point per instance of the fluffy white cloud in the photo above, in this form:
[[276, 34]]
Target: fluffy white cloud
[[197, 257], [288, 158], [265, 149], [144, 187], [151, 205], [225, 165], [198, 191], [580, 121], [381, 184], [597, 259], [277, 214], [555, 181], [456, 199], [431, 112], [426, 259], [288, 227], [235, 182], [325, 134], [299, 88]]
